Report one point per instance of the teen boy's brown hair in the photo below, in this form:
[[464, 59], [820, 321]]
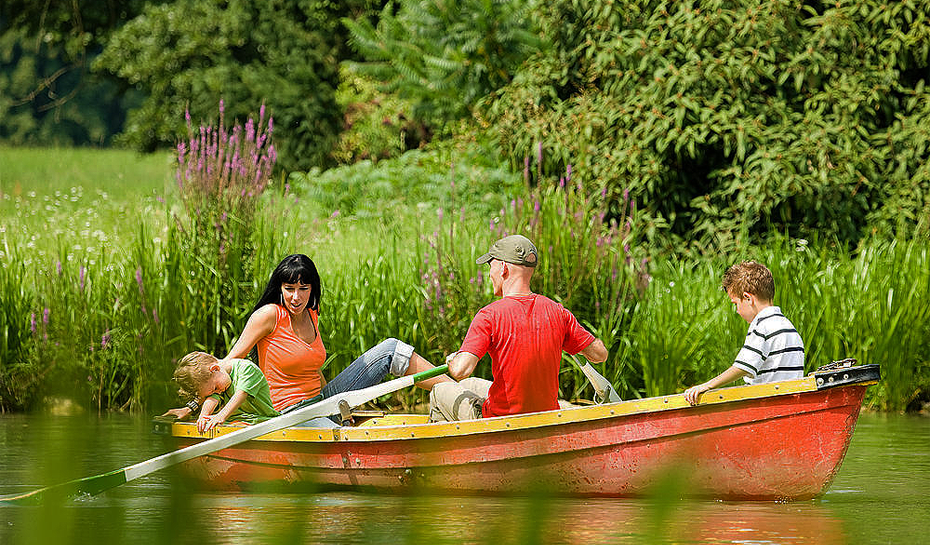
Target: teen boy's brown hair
[[750, 277]]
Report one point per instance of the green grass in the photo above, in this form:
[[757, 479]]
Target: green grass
[[122, 174]]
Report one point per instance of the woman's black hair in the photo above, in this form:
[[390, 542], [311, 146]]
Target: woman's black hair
[[292, 269]]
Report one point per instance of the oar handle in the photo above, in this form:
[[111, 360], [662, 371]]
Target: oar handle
[[430, 373]]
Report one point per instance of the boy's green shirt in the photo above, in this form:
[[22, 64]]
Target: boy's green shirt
[[248, 378]]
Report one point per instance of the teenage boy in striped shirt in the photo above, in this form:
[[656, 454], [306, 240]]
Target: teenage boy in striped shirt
[[773, 350]]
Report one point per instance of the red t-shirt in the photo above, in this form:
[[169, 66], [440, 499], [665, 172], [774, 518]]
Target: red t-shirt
[[525, 336]]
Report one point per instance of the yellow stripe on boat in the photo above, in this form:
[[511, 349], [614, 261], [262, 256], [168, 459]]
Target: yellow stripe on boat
[[413, 426]]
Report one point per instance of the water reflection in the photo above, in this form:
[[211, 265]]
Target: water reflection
[[879, 496]]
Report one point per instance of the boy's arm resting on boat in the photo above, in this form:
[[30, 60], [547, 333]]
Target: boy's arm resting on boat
[[206, 411], [211, 421], [693, 393]]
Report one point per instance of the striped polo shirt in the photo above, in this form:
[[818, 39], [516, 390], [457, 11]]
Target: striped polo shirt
[[773, 350]]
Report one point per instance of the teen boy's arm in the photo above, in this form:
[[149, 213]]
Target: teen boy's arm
[[693, 393]]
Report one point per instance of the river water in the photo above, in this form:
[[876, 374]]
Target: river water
[[881, 495]]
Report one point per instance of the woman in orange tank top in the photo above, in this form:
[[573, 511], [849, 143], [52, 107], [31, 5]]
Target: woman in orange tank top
[[285, 328]]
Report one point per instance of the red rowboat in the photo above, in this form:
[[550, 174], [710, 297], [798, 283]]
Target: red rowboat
[[783, 440]]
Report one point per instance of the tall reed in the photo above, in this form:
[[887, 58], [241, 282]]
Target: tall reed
[[867, 304], [19, 326]]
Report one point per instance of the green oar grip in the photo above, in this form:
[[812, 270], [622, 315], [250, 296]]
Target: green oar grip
[[430, 373]]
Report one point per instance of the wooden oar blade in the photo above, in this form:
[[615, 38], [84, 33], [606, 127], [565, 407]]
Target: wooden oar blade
[[88, 485]]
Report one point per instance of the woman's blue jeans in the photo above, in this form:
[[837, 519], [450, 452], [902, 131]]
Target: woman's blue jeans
[[389, 356]]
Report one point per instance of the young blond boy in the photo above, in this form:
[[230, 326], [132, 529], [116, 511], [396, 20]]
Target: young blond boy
[[238, 385], [773, 350]]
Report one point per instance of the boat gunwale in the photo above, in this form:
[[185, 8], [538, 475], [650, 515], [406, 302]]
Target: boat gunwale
[[413, 431]]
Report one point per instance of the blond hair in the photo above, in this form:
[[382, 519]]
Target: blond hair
[[750, 277], [192, 372]]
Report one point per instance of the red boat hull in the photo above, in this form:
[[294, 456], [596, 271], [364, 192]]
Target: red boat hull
[[740, 446]]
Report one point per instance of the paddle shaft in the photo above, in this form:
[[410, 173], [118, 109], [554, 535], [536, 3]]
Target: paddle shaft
[[326, 407]]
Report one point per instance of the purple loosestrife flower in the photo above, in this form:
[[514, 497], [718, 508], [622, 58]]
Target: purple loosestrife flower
[[58, 267], [32, 323], [155, 315], [568, 172], [81, 274], [105, 339], [250, 131], [139, 279], [45, 314], [526, 169]]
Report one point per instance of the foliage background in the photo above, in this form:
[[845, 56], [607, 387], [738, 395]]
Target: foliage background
[[650, 144], [729, 118]]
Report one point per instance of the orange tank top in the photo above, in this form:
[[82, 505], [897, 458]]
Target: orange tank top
[[291, 366]]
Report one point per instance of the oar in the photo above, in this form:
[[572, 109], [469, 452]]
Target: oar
[[602, 387], [326, 407]]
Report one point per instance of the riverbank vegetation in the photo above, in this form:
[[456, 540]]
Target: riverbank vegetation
[[644, 147], [103, 323]]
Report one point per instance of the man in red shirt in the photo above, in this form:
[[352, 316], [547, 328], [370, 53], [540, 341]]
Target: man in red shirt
[[525, 334]]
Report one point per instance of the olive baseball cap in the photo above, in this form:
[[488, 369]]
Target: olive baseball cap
[[516, 249]]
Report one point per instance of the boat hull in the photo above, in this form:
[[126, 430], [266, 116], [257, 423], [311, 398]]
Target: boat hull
[[785, 441]]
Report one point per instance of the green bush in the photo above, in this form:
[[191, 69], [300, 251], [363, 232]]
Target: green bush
[[448, 175], [378, 125], [443, 56], [725, 119], [189, 54]]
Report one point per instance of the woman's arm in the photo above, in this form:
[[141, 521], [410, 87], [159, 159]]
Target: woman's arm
[[261, 323]]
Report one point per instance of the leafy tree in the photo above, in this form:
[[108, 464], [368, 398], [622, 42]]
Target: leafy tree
[[192, 53], [727, 118], [47, 93], [443, 55]]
